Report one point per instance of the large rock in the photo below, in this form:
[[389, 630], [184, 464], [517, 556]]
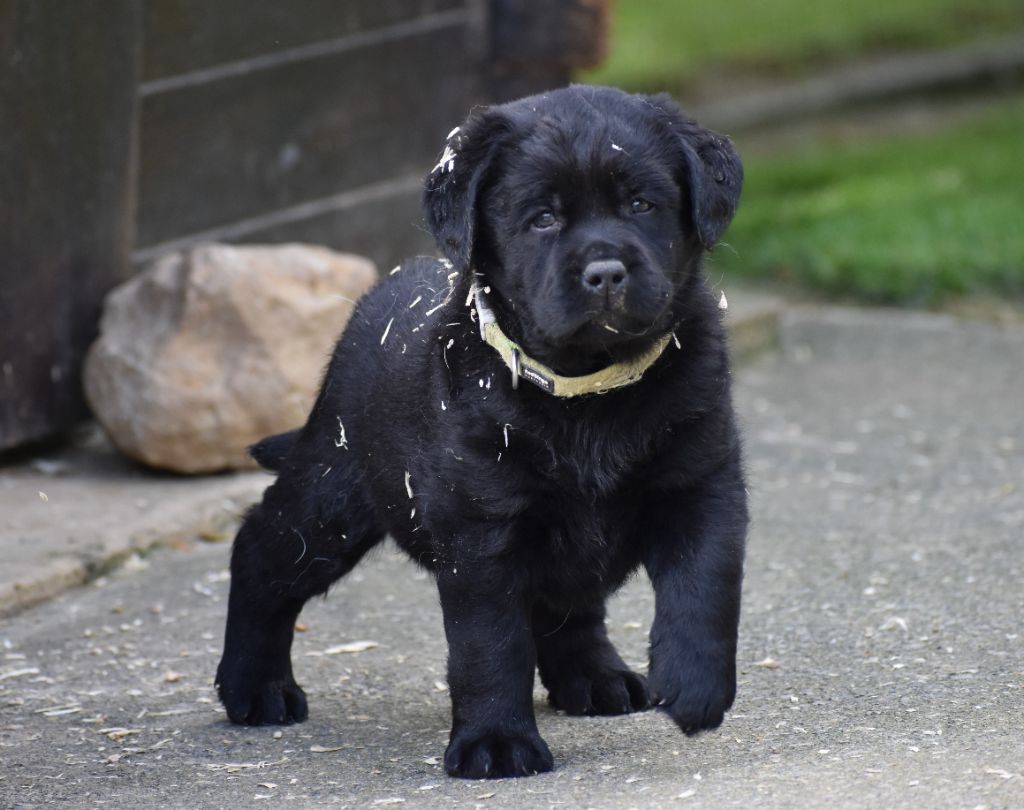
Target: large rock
[[211, 349]]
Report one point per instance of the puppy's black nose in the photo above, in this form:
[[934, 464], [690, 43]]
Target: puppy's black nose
[[605, 276]]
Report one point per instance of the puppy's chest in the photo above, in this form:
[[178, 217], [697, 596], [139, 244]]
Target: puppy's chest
[[582, 515], [579, 488], [588, 463]]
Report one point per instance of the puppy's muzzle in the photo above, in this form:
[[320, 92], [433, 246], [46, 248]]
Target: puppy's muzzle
[[606, 279]]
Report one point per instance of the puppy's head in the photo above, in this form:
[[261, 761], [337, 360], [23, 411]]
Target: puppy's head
[[586, 210]]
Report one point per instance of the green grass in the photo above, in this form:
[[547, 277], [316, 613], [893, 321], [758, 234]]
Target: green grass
[[911, 220], [665, 44]]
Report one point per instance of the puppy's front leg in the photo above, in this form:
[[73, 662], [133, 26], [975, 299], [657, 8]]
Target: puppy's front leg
[[491, 660], [694, 557]]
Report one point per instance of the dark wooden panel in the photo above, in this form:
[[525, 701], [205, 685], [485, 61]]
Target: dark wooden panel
[[568, 33], [387, 229], [536, 45], [188, 35], [68, 73], [235, 148], [382, 221]]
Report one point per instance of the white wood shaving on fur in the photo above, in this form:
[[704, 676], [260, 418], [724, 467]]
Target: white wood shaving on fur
[[397, 268], [453, 133], [443, 406], [432, 310], [722, 302], [414, 303], [451, 342], [505, 431], [386, 330], [408, 484], [447, 161], [611, 328], [342, 440], [676, 341], [617, 148]]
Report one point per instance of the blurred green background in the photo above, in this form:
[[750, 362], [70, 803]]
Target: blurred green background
[[900, 200]]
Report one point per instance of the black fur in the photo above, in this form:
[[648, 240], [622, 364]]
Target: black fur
[[529, 510], [270, 453]]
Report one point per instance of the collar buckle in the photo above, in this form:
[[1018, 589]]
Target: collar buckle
[[514, 366]]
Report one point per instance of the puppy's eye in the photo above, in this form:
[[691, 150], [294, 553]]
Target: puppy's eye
[[640, 206], [543, 221]]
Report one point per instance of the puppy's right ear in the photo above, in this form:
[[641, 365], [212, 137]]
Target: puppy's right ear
[[452, 188]]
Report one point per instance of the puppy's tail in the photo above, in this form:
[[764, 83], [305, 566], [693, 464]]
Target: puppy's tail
[[270, 453]]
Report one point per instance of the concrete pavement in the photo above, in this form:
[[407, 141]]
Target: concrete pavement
[[67, 517], [881, 656]]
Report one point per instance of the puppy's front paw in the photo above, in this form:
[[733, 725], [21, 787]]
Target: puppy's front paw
[[598, 690], [496, 755], [696, 696], [255, 701]]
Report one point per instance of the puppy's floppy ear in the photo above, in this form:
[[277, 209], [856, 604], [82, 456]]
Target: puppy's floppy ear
[[452, 189], [712, 167]]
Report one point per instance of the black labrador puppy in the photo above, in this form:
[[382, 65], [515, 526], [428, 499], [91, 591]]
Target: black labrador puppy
[[532, 419]]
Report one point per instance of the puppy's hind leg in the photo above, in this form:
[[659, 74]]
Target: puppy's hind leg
[[312, 526], [582, 671]]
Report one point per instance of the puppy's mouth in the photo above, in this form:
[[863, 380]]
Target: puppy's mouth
[[606, 330], [613, 321]]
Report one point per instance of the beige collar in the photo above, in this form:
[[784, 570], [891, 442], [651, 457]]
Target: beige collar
[[522, 366]]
